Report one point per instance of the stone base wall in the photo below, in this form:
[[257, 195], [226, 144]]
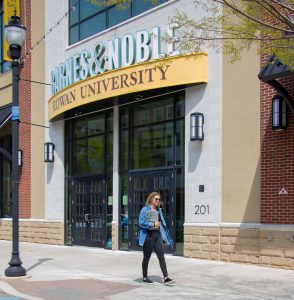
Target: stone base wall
[[265, 245], [34, 231], [114, 236]]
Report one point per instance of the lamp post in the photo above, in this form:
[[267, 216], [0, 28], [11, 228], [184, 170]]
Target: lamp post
[[15, 34]]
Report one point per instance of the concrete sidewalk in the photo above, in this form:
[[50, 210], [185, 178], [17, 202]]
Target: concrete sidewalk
[[76, 273]]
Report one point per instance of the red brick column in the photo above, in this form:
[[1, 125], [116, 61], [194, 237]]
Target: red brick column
[[25, 116], [277, 161]]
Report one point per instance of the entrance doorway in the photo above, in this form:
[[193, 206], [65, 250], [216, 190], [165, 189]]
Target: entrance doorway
[[141, 184], [89, 157], [152, 139], [88, 211]]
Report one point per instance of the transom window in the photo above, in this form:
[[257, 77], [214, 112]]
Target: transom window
[[87, 19]]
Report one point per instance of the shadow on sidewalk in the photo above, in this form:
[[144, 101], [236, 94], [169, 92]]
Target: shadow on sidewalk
[[155, 279], [40, 261]]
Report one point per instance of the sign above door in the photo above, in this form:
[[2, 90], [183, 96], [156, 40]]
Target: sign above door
[[172, 71]]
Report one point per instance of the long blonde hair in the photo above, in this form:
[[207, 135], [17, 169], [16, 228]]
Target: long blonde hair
[[151, 197]]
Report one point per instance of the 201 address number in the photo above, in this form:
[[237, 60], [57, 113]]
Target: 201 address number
[[202, 210]]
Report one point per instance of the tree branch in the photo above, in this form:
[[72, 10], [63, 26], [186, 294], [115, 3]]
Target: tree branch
[[240, 12], [278, 14], [287, 7], [254, 38]]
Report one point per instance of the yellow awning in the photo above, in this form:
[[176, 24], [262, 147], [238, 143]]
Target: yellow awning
[[171, 71]]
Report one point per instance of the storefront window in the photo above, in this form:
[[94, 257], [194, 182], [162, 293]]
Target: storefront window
[[153, 146], [124, 167], [180, 210], [109, 171], [87, 19], [180, 107], [109, 218], [89, 127], [116, 16], [139, 7], [180, 138], [89, 155], [148, 113], [124, 162], [124, 237], [124, 119]]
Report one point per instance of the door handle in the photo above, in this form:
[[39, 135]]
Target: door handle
[[87, 217]]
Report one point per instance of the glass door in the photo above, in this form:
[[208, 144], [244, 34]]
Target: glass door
[[140, 185], [89, 213], [89, 159]]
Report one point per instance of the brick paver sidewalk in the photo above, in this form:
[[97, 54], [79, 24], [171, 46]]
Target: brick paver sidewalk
[[75, 289]]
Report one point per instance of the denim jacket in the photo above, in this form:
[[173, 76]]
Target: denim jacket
[[145, 225]]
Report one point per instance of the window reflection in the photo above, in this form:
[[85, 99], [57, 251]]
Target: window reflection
[[87, 19], [116, 16], [153, 146], [89, 127], [92, 26], [89, 155], [146, 113], [180, 137], [87, 9]]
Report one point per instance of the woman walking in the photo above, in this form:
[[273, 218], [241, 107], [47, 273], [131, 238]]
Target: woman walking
[[153, 232]]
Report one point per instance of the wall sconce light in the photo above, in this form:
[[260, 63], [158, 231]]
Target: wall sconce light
[[49, 152], [19, 158], [196, 127], [279, 114]]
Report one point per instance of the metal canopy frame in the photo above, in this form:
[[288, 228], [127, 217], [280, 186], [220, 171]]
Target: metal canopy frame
[[274, 70]]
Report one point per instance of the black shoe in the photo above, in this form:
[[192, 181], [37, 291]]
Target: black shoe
[[168, 280], [147, 280]]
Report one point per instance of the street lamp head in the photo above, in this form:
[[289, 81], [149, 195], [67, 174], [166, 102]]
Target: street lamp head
[[15, 33]]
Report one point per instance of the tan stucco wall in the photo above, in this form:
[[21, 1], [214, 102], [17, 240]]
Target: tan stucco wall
[[241, 140], [38, 112], [5, 89]]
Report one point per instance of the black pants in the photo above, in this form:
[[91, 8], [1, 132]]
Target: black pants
[[153, 242]]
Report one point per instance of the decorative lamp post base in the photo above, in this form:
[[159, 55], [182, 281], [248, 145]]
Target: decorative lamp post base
[[15, 269]]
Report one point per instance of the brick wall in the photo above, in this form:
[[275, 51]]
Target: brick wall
[[25, 116], [277, 155], [277, 160]]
